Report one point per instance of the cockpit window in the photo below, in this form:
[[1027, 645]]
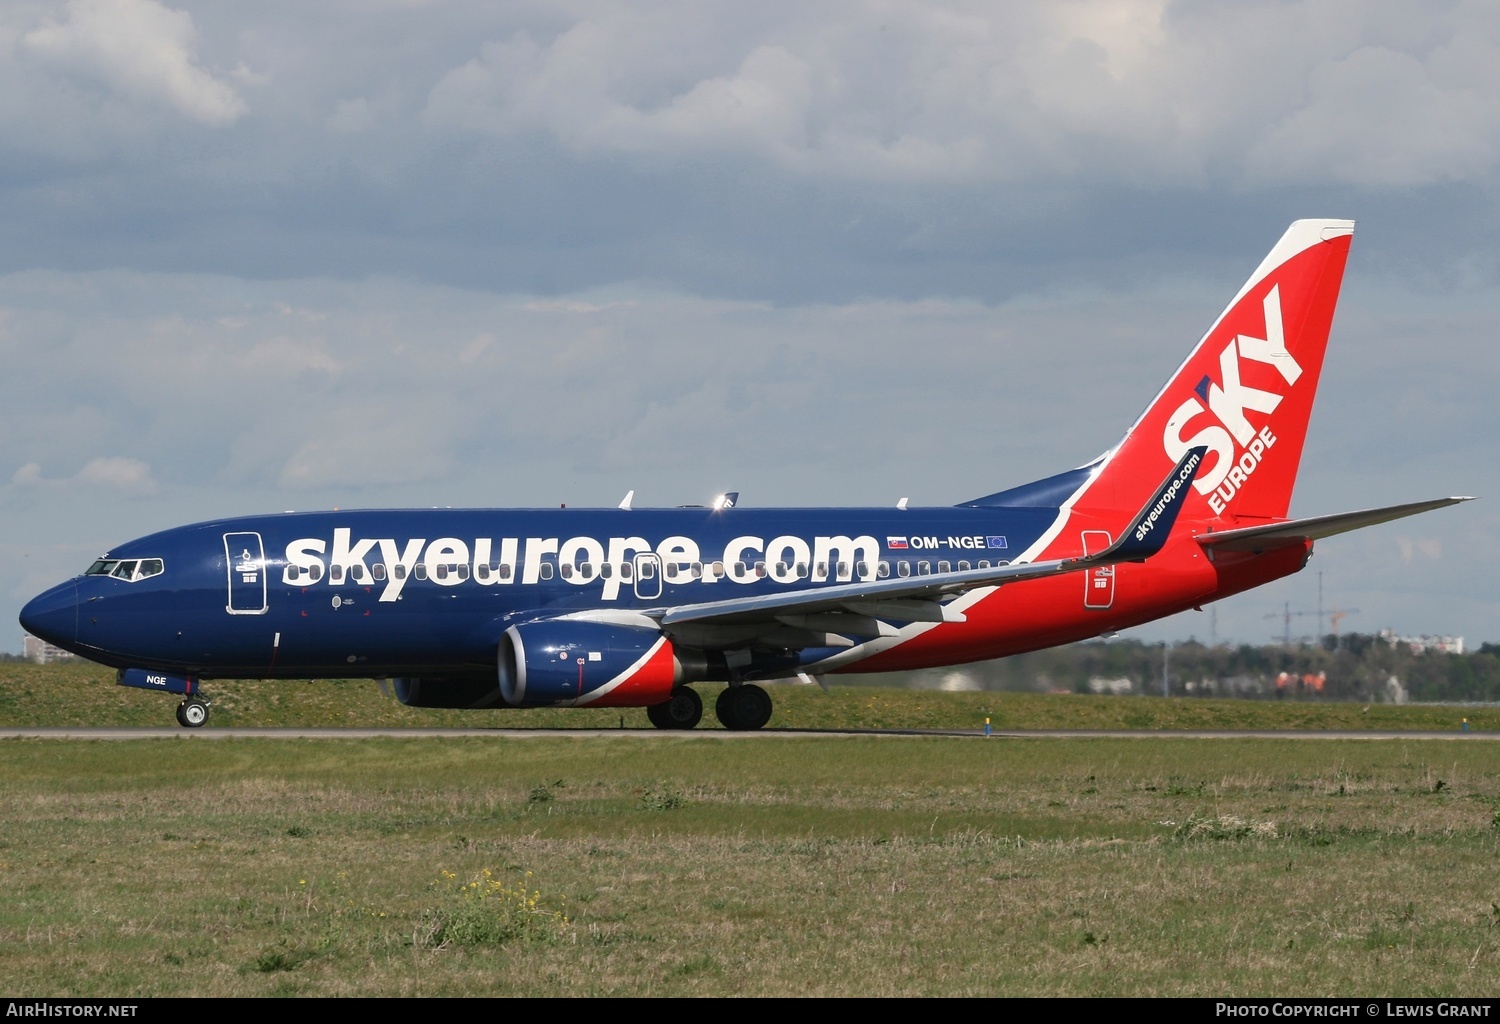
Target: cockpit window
[[129, 569]]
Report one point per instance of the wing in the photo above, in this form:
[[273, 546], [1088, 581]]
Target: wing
[[809, 616], [1299, 531]]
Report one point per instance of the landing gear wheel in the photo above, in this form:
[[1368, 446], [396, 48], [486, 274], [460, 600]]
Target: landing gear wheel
[[743, 708], [683, 710], [192, 713]]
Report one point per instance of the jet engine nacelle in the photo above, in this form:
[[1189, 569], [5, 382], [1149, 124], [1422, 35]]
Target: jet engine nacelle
[[430, 692], [595, 664]]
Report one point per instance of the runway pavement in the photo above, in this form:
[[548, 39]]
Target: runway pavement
[[210, 733]]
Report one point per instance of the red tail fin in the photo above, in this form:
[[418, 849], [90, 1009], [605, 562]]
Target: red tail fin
[[1246, 392]]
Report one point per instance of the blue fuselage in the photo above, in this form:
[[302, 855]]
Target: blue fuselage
[[424, 591]]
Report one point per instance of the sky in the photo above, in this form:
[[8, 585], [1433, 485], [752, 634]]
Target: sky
[[357, 254]]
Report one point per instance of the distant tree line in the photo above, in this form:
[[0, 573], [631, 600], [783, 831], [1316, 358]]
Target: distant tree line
[[1354, 666]]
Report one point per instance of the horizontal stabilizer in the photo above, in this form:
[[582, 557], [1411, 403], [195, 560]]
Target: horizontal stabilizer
[[1297, 531]]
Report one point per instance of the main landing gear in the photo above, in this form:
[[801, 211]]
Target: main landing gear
[[742, 708], [683, 710], [192, 713]]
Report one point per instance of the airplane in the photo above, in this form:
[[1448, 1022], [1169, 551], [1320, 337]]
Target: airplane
[[628, 607]]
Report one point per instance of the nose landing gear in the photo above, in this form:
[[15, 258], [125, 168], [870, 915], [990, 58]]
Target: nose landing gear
[[192, 713]]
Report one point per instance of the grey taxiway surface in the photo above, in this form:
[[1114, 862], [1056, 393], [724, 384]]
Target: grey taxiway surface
[[171, 732]]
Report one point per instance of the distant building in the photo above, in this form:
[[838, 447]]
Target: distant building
[[43, 653], [1423, 644]]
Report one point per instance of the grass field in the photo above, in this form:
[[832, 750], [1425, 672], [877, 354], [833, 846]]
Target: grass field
[[85, 694], [800, 865], [780, 865]]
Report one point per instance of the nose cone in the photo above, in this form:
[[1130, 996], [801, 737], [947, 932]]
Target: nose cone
[[53, 615]]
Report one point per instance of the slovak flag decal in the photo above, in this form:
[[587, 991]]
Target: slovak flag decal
[[896, 543]]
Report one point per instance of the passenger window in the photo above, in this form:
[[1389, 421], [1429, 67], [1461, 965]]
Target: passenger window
[[760, 570], [315, 572], [378, 570], [648, 570], [739, 568], [441, 572], [903, 568], [421, 570], [843, 570], [883, 569], [357, 573], [861, 569], [606, 571], [802, 570], [463, 571], [504, 571], [924, 568], [822, 571], [943, 566], [719, 570], [482, 573], [545, 570], [566, 570], [697, 570], [398, 571], [984, 563], [335, 574]]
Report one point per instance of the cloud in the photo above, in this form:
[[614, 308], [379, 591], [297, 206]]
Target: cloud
[[282, 357], [1144, 90], [126, 476], [477, 253], [1384, 119], [352, 117], [143, 50], [1432, 547]]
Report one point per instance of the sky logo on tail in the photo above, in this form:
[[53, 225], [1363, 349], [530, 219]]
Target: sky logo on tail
[[1228, 402]]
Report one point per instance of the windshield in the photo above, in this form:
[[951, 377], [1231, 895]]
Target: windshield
[[128, 569]]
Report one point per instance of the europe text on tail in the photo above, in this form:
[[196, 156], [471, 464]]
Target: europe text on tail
[[628, 607]]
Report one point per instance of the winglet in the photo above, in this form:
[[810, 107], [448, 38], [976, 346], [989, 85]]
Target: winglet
[[1152, 526], [629, 497]]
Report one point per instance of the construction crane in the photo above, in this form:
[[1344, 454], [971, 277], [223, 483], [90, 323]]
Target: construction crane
[[1335, 617], [1286, 617]]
